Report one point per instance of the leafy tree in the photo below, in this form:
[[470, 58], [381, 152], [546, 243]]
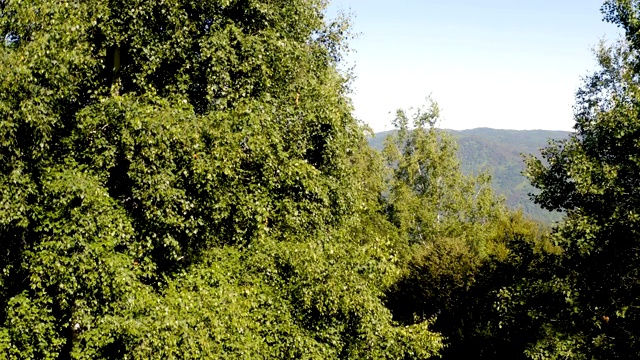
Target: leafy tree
[[429, 197], [184, 179], [465, 253], [485, 320], [461, 244], [593, 176]]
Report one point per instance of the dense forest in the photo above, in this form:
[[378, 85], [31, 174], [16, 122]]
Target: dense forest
[[185, 180], [500, 153]]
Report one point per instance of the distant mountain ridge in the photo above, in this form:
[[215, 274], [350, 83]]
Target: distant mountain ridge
[[498, 152]]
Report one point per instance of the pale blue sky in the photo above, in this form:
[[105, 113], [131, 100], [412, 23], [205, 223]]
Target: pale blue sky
[[511, 64]]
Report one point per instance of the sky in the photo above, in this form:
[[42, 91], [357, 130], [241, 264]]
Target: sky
[[507, 64]]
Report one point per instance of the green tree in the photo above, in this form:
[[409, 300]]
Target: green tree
[[464, 252], [181, 179], [594, 176], [429, 197], [461, 245]]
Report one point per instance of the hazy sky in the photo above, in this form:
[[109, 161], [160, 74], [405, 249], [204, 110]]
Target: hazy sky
[[511, 64]]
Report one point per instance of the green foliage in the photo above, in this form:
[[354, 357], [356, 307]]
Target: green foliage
[[472, 295], [499, 152], [184, 179], [499, 287], [593, 176], [429, 196], [463, 245]]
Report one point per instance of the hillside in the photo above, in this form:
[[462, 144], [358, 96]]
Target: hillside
[[499, 152]]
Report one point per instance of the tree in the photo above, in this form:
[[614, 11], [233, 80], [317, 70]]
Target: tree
[[462, 246], [594, 177], [429, 197], [177, 181]]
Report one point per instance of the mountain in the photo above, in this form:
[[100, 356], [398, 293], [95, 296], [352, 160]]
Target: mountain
[[499, 153]]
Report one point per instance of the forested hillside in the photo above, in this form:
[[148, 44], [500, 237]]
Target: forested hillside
[[186, 180], [500, 153]]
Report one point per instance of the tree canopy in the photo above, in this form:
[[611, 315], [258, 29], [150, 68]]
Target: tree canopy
[[185, 179], [593, 176], [178, 181]]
